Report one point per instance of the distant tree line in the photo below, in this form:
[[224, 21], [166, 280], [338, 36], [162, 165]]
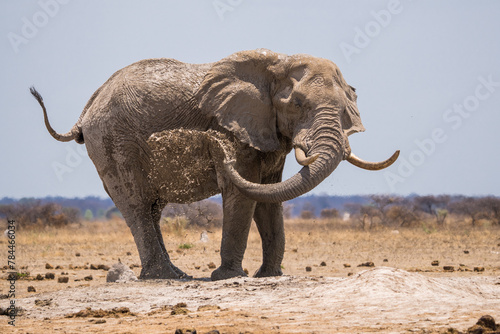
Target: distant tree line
[[365, 211], [407, 211]]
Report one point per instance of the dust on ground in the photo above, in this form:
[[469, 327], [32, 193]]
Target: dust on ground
[[336, 282]]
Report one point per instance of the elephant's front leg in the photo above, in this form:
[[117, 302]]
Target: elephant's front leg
[[238, 212], [269, 220]]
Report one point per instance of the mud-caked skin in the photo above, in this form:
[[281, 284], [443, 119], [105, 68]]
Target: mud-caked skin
[[162, 131]]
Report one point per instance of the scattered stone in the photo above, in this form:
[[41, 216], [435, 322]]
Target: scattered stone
[[478, 269], [43, 302], [63, 279], [323, 264], [197, 267], [308, 268], [347, 265], [98, 321], [103, 267], [48, 266], [245, 271], [78, 254], [133, 265], [214, 332], [466, 252], [180, 308], [448, 268], [39, 277], [485, 325], [31, 288], [89, 313], [350, 274], [88, 278], [50, 275], [120, 273], [64, 273], [185, 331], [93, 267], [208, 308], [295, 250], [367, 264], [386, 260], [129, 253], [211, 265], [58, 267], [435, 263]]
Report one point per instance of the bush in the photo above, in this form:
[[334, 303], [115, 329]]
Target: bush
[[205, 213], [32, 213]]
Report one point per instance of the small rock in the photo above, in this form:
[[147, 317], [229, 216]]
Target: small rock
[[435, 263], [100, 321], [466, 252], [347, 265], [350, 274], [64, 273], [39, 277], [77, 254], [43, 302], [386, 260], [211, 265], [367, 264], [63, 279], [448, 268], [58, 267], [48, 266], [295, 250], [245, 271], [308, 268], [208, 308], [50, 276], [185, 331], [197, 267], [103, 267], [478, 269], [88, 278], [120, 273], [31, 288], [180, 308], [129, 253], [488, 322], [323, 264], [93, 267]]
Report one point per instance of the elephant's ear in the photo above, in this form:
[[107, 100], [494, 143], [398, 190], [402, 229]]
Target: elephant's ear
[[236, 91], [351, 120]]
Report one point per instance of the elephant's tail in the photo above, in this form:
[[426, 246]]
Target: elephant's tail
[[74, 134]]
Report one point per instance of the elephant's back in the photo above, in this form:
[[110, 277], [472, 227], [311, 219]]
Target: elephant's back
[[145, 97]]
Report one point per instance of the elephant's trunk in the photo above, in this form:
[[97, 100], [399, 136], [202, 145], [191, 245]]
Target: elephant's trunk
[[328, 146]]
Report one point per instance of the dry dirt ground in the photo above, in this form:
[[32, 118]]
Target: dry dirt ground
[[324, 289]]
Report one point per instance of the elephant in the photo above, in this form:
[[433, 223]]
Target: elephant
[[160, 131]]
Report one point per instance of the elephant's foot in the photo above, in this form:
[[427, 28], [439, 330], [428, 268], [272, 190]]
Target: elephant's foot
[[225, 273], [166, 271], [268, 272]]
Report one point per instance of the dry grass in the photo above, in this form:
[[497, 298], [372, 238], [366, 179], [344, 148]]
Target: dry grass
[[324, 245]]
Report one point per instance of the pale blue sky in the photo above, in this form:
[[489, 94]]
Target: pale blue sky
[[427, 75]]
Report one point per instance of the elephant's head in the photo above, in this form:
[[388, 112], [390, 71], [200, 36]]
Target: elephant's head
[[261, 96]]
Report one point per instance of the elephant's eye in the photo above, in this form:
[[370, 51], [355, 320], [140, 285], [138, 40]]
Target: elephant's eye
[[297, 102]]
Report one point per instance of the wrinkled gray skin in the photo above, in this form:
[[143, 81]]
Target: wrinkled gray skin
[[162, 131]]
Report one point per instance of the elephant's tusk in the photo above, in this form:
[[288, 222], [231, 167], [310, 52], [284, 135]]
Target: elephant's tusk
[[302, 159], [353, 159]]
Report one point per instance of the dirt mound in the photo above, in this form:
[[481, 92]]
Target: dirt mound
[[380, 299]]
